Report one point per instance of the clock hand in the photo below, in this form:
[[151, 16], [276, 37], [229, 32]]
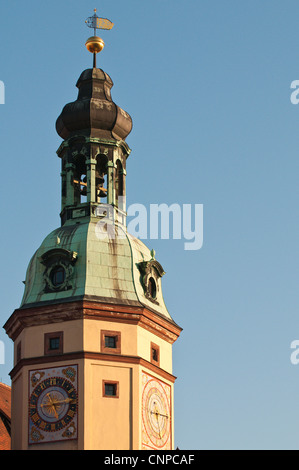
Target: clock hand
[[157, 413], [67, 400], [51, 405], [54, 409], [160, 414], [57, 403]]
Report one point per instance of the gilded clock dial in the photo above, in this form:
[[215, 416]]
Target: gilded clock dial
[[156, 413], [53, 404]]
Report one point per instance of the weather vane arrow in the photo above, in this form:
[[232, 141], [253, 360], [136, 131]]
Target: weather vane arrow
[[98, 23], [95, 44]]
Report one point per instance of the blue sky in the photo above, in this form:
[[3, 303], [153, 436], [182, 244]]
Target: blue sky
[[207, 84]]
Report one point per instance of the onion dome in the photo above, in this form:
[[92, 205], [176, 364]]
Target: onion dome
[[94, 113]]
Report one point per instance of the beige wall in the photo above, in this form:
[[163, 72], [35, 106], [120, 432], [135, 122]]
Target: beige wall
[[103, 423], [114, 423], [135, 341], [108, 420], [92, 336], [32, 339], [144, 340]]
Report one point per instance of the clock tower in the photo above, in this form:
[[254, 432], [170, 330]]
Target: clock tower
[[92, 336]]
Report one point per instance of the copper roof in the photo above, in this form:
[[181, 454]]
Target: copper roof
[[5, 416], [94, 113]]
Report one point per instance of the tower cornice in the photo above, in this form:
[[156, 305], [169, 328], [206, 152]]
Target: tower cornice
[[83, 310], [75, 356], [94, 140]]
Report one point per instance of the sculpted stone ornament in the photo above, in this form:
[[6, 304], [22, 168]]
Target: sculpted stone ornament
[[151, 271], [59, 269]]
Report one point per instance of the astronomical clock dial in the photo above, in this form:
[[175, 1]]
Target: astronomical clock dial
[[53, 404], [156, 413]]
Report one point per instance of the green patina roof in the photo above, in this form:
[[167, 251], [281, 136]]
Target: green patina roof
[[104, 270]]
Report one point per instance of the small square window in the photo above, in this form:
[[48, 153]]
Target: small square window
[[155, 354], [110, 389], [54, 343], [110, 342]]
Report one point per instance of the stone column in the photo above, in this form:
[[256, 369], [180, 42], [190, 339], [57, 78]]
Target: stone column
[[91, 179], [70, 190], [110, 184]]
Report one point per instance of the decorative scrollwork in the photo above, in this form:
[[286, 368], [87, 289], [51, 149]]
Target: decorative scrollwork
[[59, 270], [151, 272]]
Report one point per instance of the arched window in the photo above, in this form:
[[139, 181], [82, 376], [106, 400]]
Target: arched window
[[83, 188], [152, 288], [80, 180], [101, 176], [119, 182], [57, 276]]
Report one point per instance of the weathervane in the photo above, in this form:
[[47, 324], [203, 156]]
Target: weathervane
[[95, 44]]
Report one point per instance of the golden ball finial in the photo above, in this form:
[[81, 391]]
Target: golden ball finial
[[94, 44]]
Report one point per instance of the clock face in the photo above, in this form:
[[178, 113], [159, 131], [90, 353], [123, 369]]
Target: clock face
[[53, 404], [156, 413]]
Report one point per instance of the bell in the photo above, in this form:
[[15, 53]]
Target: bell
[[102, 192]]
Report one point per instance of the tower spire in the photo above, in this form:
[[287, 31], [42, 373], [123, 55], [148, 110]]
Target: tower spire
[[95, 44], [93, 337]]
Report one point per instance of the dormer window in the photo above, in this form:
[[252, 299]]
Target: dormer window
[[58, 276], [59, 268], [152, 288], [151, 271]]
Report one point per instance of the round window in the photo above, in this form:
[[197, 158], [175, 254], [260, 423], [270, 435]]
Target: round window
[[58, 276], [152, 288]]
